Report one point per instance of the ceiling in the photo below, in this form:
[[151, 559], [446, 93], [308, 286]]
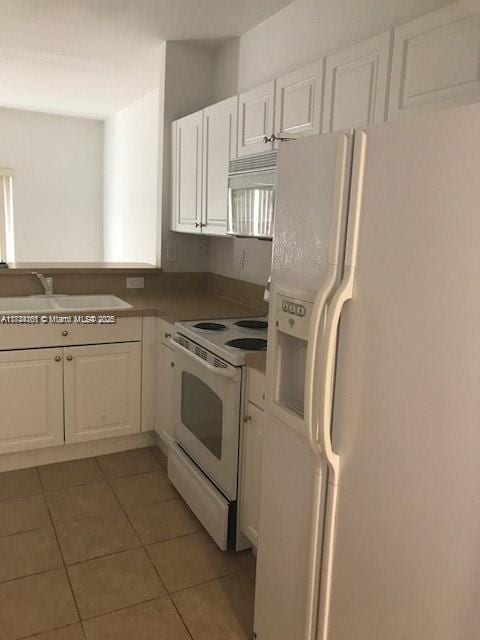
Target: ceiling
[[92, 57]]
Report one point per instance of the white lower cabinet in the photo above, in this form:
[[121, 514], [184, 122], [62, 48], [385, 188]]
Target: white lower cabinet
[[102, 386], [164, 392], [251, 473], [53, 395], [164, 373], [31, 399]]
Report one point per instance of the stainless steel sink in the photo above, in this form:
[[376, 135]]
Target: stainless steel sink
[[62, 303]]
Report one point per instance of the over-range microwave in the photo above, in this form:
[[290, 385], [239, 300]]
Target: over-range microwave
[[251, 196]]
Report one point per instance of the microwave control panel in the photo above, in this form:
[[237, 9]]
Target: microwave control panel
[[292, 316]]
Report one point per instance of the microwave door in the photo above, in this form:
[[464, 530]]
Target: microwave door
[[251, 205]]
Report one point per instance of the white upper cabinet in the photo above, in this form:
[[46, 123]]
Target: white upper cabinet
[[187, 140], [356, 85], [436, 61], [256, 119], [219, 147], [298, 102]]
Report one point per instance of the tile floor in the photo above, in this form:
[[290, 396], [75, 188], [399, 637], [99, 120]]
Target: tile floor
[[105, 549]]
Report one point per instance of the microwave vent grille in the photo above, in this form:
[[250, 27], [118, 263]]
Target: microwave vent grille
[[254, 163]]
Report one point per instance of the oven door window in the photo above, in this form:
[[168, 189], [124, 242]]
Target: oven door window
[[202, 413]]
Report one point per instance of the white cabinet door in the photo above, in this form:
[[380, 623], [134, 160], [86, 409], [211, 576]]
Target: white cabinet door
[[356, 85], [219, 147], [187, 173], [102, 385], [298, 101], [436, 61], [31, 399], [255, 119], [164, 392], [251, 474]]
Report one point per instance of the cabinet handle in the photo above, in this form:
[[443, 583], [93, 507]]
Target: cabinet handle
[[69, 358], [247, 418], [172, 364], [64, 333], [58, 358]]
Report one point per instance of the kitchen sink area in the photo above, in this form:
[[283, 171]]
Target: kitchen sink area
[[60, 303]]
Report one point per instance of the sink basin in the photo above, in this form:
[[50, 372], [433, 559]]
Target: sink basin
[[26, 304], [104, 302], [62, 303]]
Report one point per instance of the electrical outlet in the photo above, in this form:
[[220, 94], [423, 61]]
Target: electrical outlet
[[135, 283]]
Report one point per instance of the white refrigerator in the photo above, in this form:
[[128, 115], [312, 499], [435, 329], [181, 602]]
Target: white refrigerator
[[370, 505]]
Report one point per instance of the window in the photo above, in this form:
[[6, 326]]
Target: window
[[7, 248]]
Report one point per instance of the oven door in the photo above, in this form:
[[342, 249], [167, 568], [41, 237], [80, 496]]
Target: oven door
[[206, 413]]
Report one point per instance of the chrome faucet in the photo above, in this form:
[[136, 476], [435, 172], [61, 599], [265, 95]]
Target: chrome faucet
[[47, 282]]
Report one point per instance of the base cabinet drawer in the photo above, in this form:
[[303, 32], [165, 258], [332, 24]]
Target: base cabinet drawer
[[31, 399], [59, 335], [102, 391]]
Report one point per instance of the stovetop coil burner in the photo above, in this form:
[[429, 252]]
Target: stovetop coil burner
[[249, 344], [210, 326], [252, 324]]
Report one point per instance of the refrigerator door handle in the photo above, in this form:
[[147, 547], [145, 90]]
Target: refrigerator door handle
[[318, 313], [314, 340], [344, 293]]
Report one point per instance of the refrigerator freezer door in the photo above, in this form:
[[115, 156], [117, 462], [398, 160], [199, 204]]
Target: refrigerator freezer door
[[407, 401], [308, 252]]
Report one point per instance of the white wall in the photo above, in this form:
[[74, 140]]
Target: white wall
[[130, 175], [58, 185]]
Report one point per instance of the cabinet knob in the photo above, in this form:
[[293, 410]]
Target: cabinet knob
[[197, 224], [69, 358], [172, 364], [64, 333], [247, 418], [168, 335], [58, 358]]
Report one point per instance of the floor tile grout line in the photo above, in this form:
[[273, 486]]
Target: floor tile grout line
[[108, 481], [66, 570], [40, 633], [167, 593]]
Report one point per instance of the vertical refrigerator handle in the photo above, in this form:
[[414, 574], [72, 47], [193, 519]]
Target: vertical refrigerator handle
[[327, 381], [318, 312]]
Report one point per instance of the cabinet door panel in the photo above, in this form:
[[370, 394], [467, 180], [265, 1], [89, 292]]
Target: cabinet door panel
[[31, 399], [436, 61], [255, 119], [219, 147], [356, 85], [164, 392], [102, 391], [298, 101], [251, 474], [187, 173]]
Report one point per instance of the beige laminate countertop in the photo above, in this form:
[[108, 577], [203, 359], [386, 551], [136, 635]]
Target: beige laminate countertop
[[185, 306], [257, 361]]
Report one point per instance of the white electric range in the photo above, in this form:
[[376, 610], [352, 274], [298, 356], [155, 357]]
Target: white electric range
[[208, 411]]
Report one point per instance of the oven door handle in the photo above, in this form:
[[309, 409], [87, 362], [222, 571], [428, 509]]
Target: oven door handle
[[231, 372]]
